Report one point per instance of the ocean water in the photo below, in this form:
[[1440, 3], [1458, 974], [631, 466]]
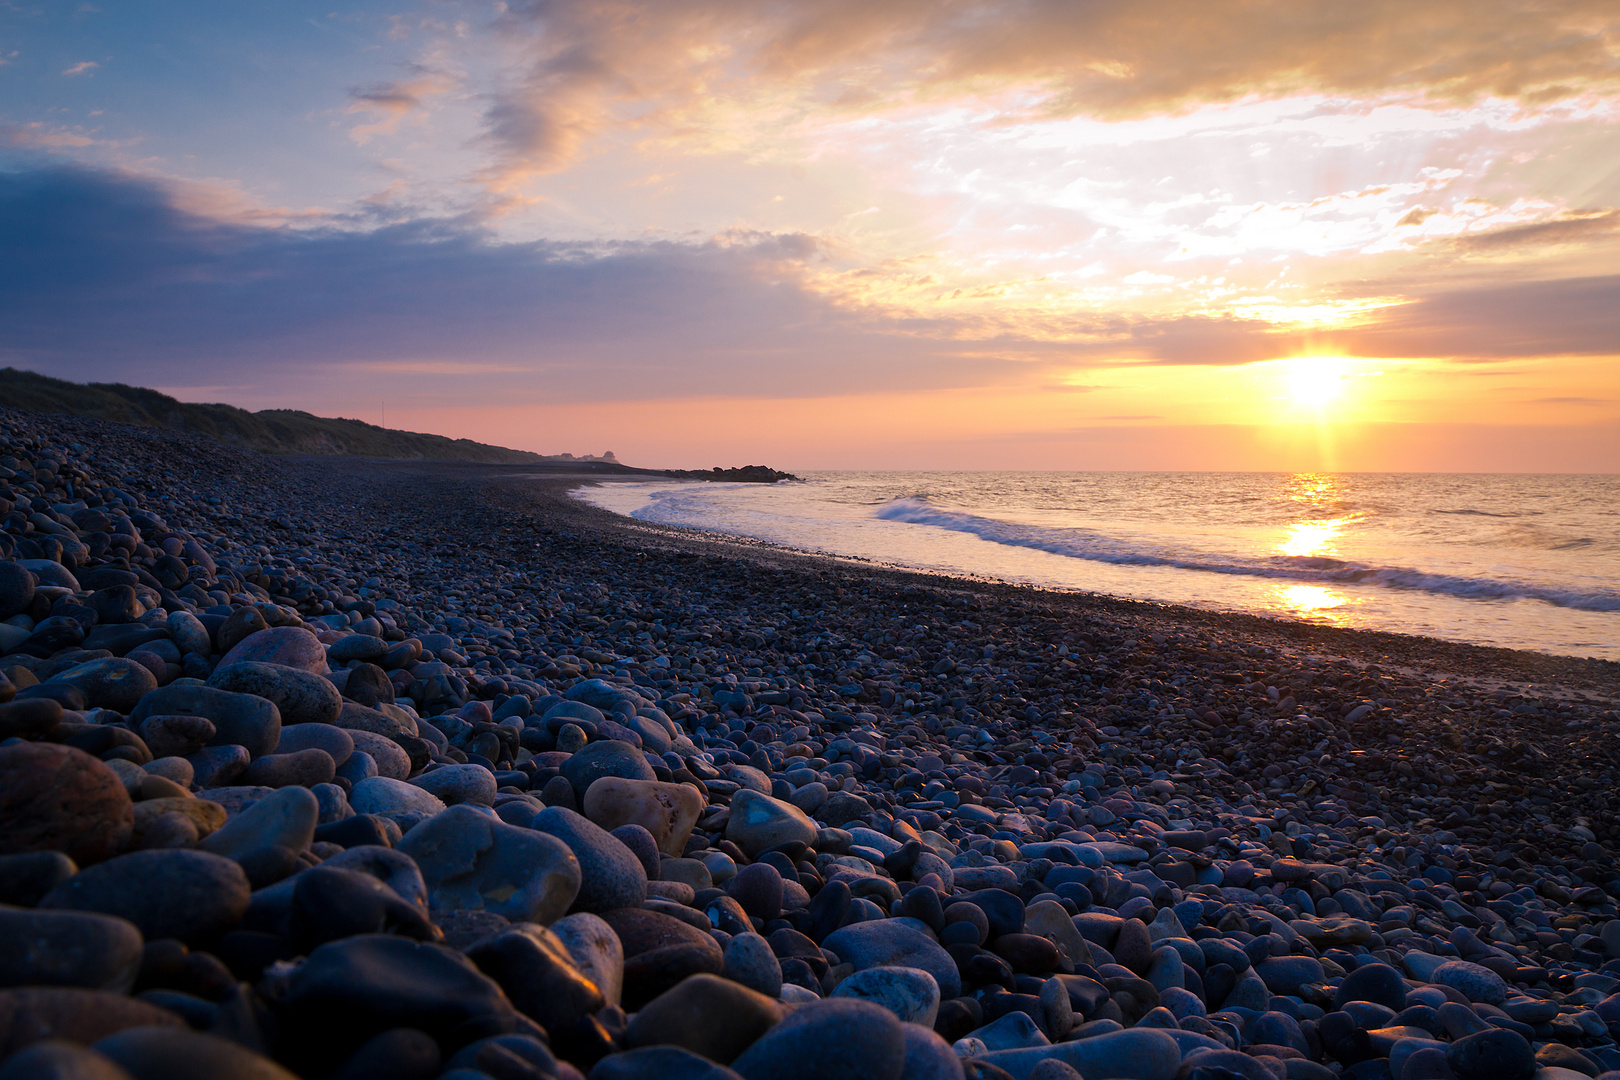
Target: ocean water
[[1526, 562]]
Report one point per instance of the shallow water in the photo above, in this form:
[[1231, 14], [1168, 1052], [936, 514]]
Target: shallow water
[[1527, 562]]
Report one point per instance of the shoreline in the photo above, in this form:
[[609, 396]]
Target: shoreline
[[1132, 837]]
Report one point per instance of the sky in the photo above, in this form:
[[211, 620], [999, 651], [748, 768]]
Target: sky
[[1022, 234]]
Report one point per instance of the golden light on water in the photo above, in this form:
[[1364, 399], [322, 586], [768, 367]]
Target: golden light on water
[[1310, 537], [1306, 599]]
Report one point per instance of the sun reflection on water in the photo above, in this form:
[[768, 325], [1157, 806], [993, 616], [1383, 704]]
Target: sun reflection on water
[[1315, 536]]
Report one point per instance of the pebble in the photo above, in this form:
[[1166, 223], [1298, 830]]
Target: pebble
[[910, 993], [68, 948], [610, 875], [473, 861], [1098, 820], [836, 1039], [190, 895], [708, 1015]]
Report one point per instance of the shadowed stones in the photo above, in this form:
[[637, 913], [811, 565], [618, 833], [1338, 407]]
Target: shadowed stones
[[608, 757], [68, 948], [473, 861], [385, 795], [659, 952], [707, 1015], [888, 943], [56, 798], [453, 784], [300, 696], [538, 973], [837, 1039], [110, 683], [190, 895], [239, 719], [34, 1013]]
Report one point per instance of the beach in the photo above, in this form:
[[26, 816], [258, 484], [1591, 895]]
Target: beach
[[544, 788]]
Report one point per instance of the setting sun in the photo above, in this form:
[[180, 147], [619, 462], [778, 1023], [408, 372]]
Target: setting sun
[[1314, 380]]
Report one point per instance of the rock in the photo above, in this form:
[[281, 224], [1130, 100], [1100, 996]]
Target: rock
[[707, 1015], [659, 1063], [302, 768], [218, 766], [57, 1060], [750, 962], [910, 993], [1138, 1054], [538, 974], [169, 735], [31, 1014], [610, 874], [30, 718], [608, 757], [16, 589], [238, 625], [189, 634], [295, 737], [392, 761], [356, 647], [887, 943], [454, 784], [1497, 1054], [1476, 983], [393, 868], [667, 811], [330, 902], [285, 818], [384, 795], [283, 646], [351, 990], [642, 846], [759, 822], [659, 952], [190, 895], [299, 696], [596, 951], [204, 815], [1377, 983], [473, 861], [239, 719], [836, 1039], [1286, 974], [56, 798], [1050, 920], [165, 1054], [24, 879], [758, 888], [112, 682], [68, 948]]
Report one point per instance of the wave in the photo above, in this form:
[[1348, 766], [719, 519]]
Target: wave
[[1096, 547]]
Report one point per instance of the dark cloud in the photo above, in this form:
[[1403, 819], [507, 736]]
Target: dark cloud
[[101, 276], [1571, 317], [1572, 227]]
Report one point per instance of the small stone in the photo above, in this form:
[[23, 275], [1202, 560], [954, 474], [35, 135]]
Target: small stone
[[659, 1063], [750, 961], [707, 1015], [190, 895], [758, 888], [910, 993], [759, 822], [1497, 1054], [112, 682], [285, 818], [283, 646], [294, 737], [68, 948], [30, 718], [175, 735], [56, 798], [302, 768], [610, 874], [217, 766], [384, 795], [641, 845], [454, 784], [834, 1039], [239, 719], [56, 1060], [538, 974], [596, 951], [24, 879], [1476, 983], [300, 697], [667, 811], [392, 762], [204, 815], [1137, 1054], [608, 757], [394, 869], [891, 943], [348, 991], [473, 861], [330, 902], [34, 1013]]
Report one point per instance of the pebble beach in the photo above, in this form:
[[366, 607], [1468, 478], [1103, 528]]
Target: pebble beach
[[377, 770]]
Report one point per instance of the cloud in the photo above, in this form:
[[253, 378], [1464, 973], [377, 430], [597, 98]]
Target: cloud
[[36, 136], [1570, 317], [587, 65], [83, 67], [392, 102]]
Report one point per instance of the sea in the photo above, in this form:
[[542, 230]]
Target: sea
[[1520, 561]]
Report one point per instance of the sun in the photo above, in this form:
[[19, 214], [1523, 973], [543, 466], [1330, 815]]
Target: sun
[[1314, 381]]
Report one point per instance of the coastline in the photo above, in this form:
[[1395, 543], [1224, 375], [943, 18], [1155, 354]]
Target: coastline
[[1130, 796]]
